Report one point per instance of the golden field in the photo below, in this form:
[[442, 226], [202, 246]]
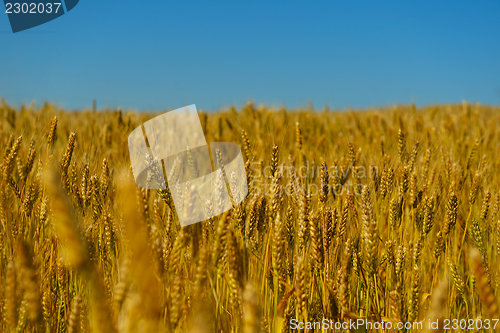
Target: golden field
[[388, 215]]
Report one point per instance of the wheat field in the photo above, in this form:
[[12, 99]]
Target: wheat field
[[388, 215]]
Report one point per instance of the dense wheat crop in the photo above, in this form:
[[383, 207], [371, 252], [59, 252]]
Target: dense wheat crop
[[390, 215]]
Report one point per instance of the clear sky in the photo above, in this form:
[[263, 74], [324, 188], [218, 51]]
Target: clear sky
[[154, 55]]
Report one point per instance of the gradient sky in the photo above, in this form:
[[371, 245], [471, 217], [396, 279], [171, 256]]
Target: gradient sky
[[154, 55]]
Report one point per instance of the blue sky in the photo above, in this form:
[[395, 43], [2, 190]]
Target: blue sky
[[154, 55]]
